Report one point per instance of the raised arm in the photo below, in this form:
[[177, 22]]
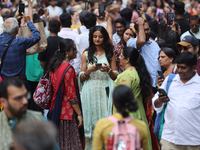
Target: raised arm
[[30, 9], [109, 24], [140, 33], [35, 37]]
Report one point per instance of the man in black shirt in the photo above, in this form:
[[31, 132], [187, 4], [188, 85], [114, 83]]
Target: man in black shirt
[[53, 41], [179, 11]]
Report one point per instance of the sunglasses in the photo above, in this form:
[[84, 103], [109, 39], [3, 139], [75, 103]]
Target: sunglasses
[[196, 25], [184, 47], [146, 30]]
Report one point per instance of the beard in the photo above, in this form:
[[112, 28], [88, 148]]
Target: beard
[[17, 113], [147, 37]]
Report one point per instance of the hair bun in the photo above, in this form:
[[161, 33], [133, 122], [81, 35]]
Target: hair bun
[[131, 106]]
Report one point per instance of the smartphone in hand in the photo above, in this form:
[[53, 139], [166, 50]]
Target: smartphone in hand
[[160, 74], [139, 4], [170, 17], [160, 17], [21, 8], [160, 90], [98, 64], [101, 10]]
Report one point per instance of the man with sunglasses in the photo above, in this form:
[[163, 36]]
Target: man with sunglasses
[[194, 28], [191, 44]]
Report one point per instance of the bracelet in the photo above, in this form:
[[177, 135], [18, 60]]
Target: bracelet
[[140, 24], [86, 76], [79, 114], [109, 70], [159, 101]]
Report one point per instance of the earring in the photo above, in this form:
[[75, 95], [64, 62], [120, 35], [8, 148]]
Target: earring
[[67, 58]]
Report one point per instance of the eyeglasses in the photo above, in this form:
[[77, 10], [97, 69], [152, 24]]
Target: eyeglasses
[[120, 27], [184, 47], [196, 25], [146, 30]]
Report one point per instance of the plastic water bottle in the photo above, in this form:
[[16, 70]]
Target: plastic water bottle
[[110, 141]]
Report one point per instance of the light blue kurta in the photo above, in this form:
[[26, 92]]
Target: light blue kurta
[[95, 103]]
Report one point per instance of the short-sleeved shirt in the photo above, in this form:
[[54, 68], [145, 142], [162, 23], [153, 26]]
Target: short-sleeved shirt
[[104, 127], [53, 42], [116, 39], [150, 53]]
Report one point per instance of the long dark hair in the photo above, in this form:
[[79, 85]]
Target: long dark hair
[[106, 45], [124, 101], [171, 39], [137, 61], [65, 46]]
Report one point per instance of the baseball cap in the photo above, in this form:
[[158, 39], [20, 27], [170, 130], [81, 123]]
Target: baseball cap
[[188, 40]]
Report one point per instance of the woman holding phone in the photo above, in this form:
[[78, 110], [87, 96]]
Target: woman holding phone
[[98, 70], [136, 76], [166, 57]]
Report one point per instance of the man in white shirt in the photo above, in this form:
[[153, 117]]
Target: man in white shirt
[[82, 40], [120, 25], [66, 32], [54, 11], [181, 129], [194, 28]]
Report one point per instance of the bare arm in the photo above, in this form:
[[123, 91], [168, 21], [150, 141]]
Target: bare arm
[[78, 112], [141, 34], [109, 25], [30, 9], [42, 63], [84, 68], [113, 75]]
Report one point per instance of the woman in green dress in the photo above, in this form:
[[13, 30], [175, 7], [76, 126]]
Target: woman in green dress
[[98, 70], [138, 79]]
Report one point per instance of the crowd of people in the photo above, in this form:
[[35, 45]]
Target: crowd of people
[[119, 64]]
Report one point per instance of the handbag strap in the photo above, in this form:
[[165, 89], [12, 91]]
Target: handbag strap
[[4, 54], [169, 82], [54, 114], [191, 33]]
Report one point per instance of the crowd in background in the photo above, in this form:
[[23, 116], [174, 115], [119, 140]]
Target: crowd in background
[[111, 64]]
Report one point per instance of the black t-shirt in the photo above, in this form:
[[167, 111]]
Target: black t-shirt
[[52, 46], [184, 24]]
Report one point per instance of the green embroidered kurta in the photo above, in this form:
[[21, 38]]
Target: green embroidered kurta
[[131, 79]]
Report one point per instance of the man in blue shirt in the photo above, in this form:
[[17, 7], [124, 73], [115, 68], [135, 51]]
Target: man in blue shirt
[[148, 48], [15, 59]]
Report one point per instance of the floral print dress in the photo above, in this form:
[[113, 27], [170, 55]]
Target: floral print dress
[[96, 103]]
